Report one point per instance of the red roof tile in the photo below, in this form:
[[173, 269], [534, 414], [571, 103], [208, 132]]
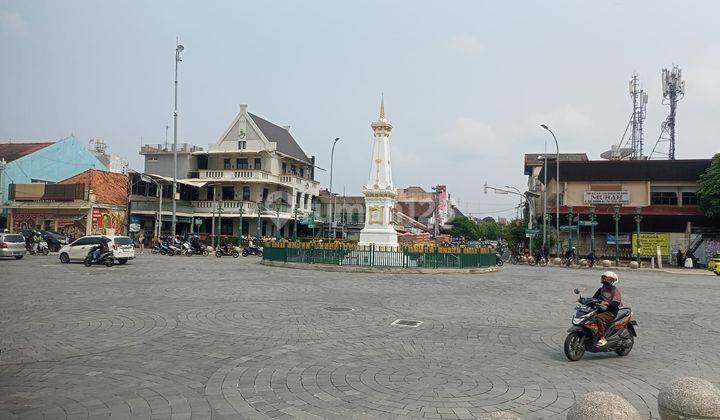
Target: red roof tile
[[14, 151], [109, 187]]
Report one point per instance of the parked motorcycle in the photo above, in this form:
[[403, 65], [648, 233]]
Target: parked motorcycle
[[227, 250], [619, 333], [107, 258], [252, 250], [498, 260]]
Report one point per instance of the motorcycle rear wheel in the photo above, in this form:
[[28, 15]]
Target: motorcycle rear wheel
[[235, 254], [499, 262], [218, 254], [205, 253], [87, 262], [574, 346], [624, 351], [45, 251], [109, 262]]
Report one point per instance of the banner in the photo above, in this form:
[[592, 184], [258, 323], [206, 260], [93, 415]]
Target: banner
[[649, 241], [606, 197], [623, 239]]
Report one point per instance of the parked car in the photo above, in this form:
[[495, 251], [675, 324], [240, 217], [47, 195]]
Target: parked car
[[714, 263], [12, 245], [122, 247]]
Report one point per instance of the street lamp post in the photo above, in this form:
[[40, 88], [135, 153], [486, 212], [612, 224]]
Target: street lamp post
[[277, 221], [257, 230], [557, 183], [178, 49], [616, 217], [638, 218], [592, 229], [570, 222], [295, 225], [240, 211], [332, 197]]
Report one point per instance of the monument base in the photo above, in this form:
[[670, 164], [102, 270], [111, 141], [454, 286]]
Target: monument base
[[378, 237]]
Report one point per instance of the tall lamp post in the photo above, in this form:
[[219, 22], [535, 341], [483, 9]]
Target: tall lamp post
[[592, 229], [638, 218], [557, 187], [332, 197], [616, 217], [178, 49]]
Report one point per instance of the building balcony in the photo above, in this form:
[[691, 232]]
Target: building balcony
[[184, 207], [253, 175]]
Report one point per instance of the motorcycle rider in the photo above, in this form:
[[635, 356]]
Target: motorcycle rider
[[102, 248], [591, 258], [611, 302], [570, 256]]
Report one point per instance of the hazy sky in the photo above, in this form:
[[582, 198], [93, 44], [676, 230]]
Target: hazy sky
[[466, 83]]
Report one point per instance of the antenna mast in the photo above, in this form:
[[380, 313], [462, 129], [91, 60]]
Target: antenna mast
[[673, 91], [634, 143]]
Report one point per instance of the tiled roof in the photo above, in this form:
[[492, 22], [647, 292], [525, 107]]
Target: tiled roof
[[108, 187], [14, 151], [286, 144]]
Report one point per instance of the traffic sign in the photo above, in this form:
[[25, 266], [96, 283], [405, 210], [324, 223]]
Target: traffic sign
[[567, 228], [532, 231], [588, 223]]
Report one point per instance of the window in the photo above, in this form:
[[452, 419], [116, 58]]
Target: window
[[246, 193], [152, 159], [355, 217], [689, 198], [293, 169], [297, 199], [241, 164], [242, 145], [13, 238], [302, 171], [306, 202], [226, 227], [122, 240], [210, 193], [81, 241], [228, 193], [258, 163], [284, 167], [226, 164], [265, 194], [664, 198]]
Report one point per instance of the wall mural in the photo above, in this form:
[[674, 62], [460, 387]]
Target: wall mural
[[103, 219]]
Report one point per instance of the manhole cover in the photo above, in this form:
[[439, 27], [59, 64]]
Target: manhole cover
[[338, 309], [406, 323]]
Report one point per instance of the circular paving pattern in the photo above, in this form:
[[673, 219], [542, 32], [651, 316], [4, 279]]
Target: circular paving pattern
[[81, 391], [407, 378], [52, 335], [290, 320]]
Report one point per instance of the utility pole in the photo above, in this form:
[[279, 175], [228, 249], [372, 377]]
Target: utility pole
[[240, 211], [332, 197], [257, 231], [436, 212], [616, 217], [638, 218], [570, 222], [277, 222], [2, 187], [557, 189], [295, 225], [592, 229], [178, 49]]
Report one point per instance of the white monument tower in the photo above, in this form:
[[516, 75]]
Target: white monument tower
[[379, 192]]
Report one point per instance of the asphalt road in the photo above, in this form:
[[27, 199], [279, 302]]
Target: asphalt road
[[199, 338]]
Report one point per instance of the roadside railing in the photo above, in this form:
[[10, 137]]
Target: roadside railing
[[379, 256]]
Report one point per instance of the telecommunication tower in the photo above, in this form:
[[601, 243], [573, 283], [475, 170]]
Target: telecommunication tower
[[631, 146], [673, 91]]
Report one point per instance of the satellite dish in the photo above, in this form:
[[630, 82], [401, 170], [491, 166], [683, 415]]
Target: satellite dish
[[617, 153]]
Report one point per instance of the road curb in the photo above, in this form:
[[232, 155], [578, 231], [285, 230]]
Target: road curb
[[694, 272], [385, 270]]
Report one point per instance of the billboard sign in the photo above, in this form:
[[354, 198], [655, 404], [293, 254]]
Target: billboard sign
[[606, 197], [650, 241]]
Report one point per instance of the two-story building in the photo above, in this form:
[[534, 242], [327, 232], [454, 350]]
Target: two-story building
[[661, 192], [253, 181]]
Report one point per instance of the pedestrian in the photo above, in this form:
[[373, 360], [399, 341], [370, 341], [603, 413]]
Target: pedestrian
[[141, 239], [680, 259]]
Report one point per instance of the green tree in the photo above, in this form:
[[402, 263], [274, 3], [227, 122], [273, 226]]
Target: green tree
[[465, 227], [709, 188], [490, 228], [514, 234]]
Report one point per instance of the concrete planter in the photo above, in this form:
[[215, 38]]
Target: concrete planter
[[583, 262], [602, 406], [689, 399], [556, 261], [634, 265], [606, 263]]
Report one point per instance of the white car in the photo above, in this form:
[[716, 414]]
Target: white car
[[122, 247]]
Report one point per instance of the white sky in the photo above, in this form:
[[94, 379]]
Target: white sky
[[466, 84]]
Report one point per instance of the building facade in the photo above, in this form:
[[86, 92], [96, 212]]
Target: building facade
[[92, 202], [42, 162], [253, 181], [593, 193]]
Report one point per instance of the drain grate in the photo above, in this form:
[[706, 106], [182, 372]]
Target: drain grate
[[338, 309], [406, 323]]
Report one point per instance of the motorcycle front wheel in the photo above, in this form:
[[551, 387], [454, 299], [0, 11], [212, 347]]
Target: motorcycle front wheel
[[574, 346], [87, 262], [218, 254], [625, 350], [109, 262], [205, 253], [235, 254], [499, 262], [45, 251]]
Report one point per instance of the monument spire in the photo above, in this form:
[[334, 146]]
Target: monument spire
[[382, 107]]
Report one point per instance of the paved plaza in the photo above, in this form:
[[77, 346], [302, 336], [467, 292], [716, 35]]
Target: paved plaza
[[202, 338]]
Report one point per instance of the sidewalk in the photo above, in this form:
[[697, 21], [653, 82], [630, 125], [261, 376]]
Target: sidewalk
[[670, 270]]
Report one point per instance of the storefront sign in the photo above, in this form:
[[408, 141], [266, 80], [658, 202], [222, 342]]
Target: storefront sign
[[622, 239], [650, 241], [606, 197]]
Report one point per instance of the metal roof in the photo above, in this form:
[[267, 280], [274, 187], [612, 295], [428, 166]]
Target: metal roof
[[286, 144], [629, 170], [14, 151]]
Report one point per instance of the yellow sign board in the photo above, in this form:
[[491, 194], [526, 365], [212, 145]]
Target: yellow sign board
[[649, 241]]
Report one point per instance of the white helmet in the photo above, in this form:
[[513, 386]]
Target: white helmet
[[609, 277]]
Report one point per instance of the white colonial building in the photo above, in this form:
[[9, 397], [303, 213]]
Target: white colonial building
[[253, 180]]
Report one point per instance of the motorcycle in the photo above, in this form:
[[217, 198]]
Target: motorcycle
[[173, 248], [107, 258], [252, 250], [498, 260], [619, 333], [38, 248], [227, 250], [162, 249], [538, 260]]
